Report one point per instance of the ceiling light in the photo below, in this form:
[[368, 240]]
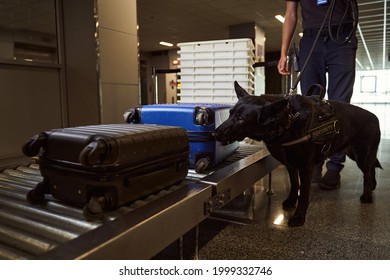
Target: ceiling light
[[365, 46], [166, 44], [280, 18], [359, 63]]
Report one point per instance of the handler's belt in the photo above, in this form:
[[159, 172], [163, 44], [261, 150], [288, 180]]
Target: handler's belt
[[336, 29]]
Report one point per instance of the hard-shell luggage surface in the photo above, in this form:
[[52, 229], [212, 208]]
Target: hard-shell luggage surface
[[199, 120], [105, 166]]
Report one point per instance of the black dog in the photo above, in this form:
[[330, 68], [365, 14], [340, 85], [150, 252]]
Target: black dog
[[300, 131]]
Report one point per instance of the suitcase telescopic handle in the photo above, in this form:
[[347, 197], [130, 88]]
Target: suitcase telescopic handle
[[93, 153], [33, 146]]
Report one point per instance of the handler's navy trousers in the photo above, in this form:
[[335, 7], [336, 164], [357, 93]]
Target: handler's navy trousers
[[336, 60]]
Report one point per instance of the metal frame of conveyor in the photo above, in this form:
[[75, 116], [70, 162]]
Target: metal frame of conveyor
[[146, 231], [137, 231]]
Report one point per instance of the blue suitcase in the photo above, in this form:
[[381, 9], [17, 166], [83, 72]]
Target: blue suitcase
[[199, 120]]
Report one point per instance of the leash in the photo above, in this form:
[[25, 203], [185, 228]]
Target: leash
[[355, 16], [329, 13]]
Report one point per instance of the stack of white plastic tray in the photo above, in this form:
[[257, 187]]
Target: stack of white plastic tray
[[208, 70]]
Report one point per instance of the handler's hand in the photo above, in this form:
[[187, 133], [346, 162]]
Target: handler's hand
[[282, 66]]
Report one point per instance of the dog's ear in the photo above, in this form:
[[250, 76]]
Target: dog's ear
[[274, 108], [239, 90]]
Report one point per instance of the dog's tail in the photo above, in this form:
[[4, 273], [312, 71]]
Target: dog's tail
[[378, 164]]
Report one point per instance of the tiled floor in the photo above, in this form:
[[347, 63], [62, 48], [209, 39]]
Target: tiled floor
[[337, 225]]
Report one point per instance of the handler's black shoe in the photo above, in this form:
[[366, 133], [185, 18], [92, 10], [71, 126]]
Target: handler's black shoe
[[330, 181]]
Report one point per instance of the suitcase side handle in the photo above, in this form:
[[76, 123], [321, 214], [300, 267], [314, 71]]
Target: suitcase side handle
[[33, 146], [93, 153]]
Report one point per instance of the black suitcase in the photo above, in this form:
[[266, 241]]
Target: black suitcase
[[105, 166]]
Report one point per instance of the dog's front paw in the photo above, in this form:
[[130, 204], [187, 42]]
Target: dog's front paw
[[296, 221], [288, 204], [366, 198]]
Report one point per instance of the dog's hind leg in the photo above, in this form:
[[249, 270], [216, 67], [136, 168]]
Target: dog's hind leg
[[366, 157], [369, 181], [367, 162], [294, 186], [298, 219]]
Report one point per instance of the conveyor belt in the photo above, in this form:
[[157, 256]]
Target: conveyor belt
[[243, 151], [137, 231]]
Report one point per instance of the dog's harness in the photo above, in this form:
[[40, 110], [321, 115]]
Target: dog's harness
[[321, 135], [322, 126]]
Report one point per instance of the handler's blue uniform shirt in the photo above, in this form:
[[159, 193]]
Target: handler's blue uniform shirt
[[313, 14]]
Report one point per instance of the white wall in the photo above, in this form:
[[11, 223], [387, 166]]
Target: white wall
[[372, 86]]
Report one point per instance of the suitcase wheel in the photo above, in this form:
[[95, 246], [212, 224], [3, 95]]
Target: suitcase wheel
[[37, 195], [94, 209], [32, 147], [203, 116], [202, 164], [93, 153], [131, 116]]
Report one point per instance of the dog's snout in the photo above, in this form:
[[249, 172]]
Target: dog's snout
[[221, 135], [218, 134]]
